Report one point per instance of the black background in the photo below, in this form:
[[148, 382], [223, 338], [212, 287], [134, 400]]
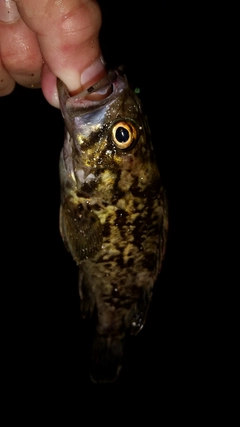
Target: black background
[[46, 343]]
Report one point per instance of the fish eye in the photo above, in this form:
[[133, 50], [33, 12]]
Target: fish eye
[[124, 134]]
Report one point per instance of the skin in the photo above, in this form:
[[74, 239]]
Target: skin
[[48, 39]]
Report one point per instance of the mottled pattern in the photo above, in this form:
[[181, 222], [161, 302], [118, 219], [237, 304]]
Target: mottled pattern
[[113, 216]]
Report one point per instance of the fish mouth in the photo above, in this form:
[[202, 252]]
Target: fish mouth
[[95, 96], [103, 87]]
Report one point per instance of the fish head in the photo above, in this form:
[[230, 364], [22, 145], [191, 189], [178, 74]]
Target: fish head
[[105, 133]]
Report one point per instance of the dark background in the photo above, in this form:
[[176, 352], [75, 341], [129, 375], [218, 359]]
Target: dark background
[[46, 343]]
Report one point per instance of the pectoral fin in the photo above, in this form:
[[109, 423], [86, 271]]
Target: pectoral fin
[[81, 231]]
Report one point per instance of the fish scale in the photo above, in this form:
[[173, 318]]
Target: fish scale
[[113, 214]]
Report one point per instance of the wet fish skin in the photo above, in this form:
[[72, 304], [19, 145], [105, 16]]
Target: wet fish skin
[[113, 214]]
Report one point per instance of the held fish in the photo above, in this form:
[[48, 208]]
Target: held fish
[[113, 213]]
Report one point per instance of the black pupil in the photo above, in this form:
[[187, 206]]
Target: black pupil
[[122, 134]]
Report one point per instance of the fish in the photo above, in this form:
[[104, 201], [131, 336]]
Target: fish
[[113, 213]]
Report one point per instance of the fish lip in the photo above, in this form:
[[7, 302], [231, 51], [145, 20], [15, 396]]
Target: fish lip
[[114, 82]]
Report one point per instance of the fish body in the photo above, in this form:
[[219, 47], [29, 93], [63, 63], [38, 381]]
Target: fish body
[[113, 214]]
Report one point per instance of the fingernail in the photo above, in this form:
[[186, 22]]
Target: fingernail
[[93, 73], [76, 83], [8, 11]]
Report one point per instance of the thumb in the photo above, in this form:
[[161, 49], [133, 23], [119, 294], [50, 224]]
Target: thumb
[[68, 36]]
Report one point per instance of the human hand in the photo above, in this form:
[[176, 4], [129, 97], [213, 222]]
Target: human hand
[[42, 40]]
